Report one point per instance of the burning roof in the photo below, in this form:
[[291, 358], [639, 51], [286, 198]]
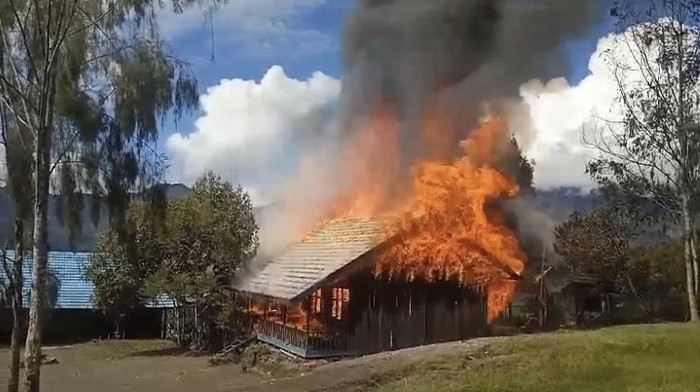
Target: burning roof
[[330, 248], [306, 264]]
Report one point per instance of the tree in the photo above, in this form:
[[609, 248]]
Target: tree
[[121, 264], [654, 151], [18, 161], [209, 235], [87, 81], [598, 243], [659, 274]]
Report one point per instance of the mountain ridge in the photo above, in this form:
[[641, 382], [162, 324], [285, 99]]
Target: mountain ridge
[[558, 204]]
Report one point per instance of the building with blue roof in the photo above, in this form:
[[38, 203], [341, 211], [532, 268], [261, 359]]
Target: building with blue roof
[[75, 291], [73, 307]]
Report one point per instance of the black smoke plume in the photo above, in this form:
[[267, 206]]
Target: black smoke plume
[[463, 52]]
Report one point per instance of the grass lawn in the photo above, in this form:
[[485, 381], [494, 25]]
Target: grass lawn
[[639, 358], [619, 359]]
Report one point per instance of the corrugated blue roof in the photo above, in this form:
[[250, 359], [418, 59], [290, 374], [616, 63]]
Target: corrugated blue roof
[[74, 290]]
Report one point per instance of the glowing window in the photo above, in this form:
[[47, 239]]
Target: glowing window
[[340, 298], [316, 301]]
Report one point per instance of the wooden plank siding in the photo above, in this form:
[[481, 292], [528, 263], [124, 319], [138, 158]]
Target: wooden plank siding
[[383, 315]]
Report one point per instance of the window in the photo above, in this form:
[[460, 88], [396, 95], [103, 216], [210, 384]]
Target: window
[[316, 301], [340, 298]]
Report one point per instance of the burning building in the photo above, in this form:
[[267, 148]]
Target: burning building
[[322, 298], [411, 243], [384, 272]]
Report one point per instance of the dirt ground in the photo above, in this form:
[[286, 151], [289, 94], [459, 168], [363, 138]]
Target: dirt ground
[[155, 366]]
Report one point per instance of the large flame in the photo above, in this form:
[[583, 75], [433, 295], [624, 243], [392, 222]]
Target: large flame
[[443, 213], [448, 231]]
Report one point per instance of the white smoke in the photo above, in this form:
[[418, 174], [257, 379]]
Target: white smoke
[[252, 132]]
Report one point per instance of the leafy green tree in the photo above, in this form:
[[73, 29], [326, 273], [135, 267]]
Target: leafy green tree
[[209, 235], [189, 254], [654, 150], [122, 263], [658, 272], [599, 243]]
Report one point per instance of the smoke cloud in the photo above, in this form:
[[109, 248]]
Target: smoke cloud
[[456, 56], [462, 53]]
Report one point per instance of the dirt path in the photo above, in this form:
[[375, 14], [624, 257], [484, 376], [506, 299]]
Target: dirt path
[[81, 372], [355, 374]]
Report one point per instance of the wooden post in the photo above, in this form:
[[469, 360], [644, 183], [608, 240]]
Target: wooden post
[[425, 315], [307, 307], [455, 314], [542, 301], [380, 336], [327, 303]]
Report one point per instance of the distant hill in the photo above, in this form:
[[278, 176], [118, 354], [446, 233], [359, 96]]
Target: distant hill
[[58, 233], [558, 204]]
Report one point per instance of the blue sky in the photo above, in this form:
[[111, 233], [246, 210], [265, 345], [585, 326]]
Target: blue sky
[[250, 59]]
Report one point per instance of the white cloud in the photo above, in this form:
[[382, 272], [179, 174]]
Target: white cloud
[[245, 125], [560, 115], [257, 27]]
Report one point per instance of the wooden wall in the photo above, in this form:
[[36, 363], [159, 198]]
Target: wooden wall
[[392, 315], [384, 315]]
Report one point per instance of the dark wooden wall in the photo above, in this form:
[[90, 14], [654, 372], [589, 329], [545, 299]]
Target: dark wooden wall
[[387, 315], [380, 315]]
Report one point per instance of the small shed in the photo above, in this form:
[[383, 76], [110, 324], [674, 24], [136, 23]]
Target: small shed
[[584, 298], [320, 298]]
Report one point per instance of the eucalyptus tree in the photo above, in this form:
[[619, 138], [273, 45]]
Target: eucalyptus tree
[[88, 82], [16, 146], [653, 149]]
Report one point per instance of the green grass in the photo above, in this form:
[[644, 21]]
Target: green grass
[[620, 359]]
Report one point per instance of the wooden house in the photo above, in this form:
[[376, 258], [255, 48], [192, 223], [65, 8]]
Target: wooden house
[[320, 298]]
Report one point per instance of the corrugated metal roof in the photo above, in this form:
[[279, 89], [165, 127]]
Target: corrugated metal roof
[[317, 256], [74, 290]]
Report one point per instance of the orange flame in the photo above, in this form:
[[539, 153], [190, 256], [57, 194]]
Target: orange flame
[[446, 224], [296, 316], [448, 231]]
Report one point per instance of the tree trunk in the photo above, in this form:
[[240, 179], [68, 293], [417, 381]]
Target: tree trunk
[[16, 340], [694, 253], [690, 262], [117, 327], [32, 354], [689, 274], [633, 290]]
